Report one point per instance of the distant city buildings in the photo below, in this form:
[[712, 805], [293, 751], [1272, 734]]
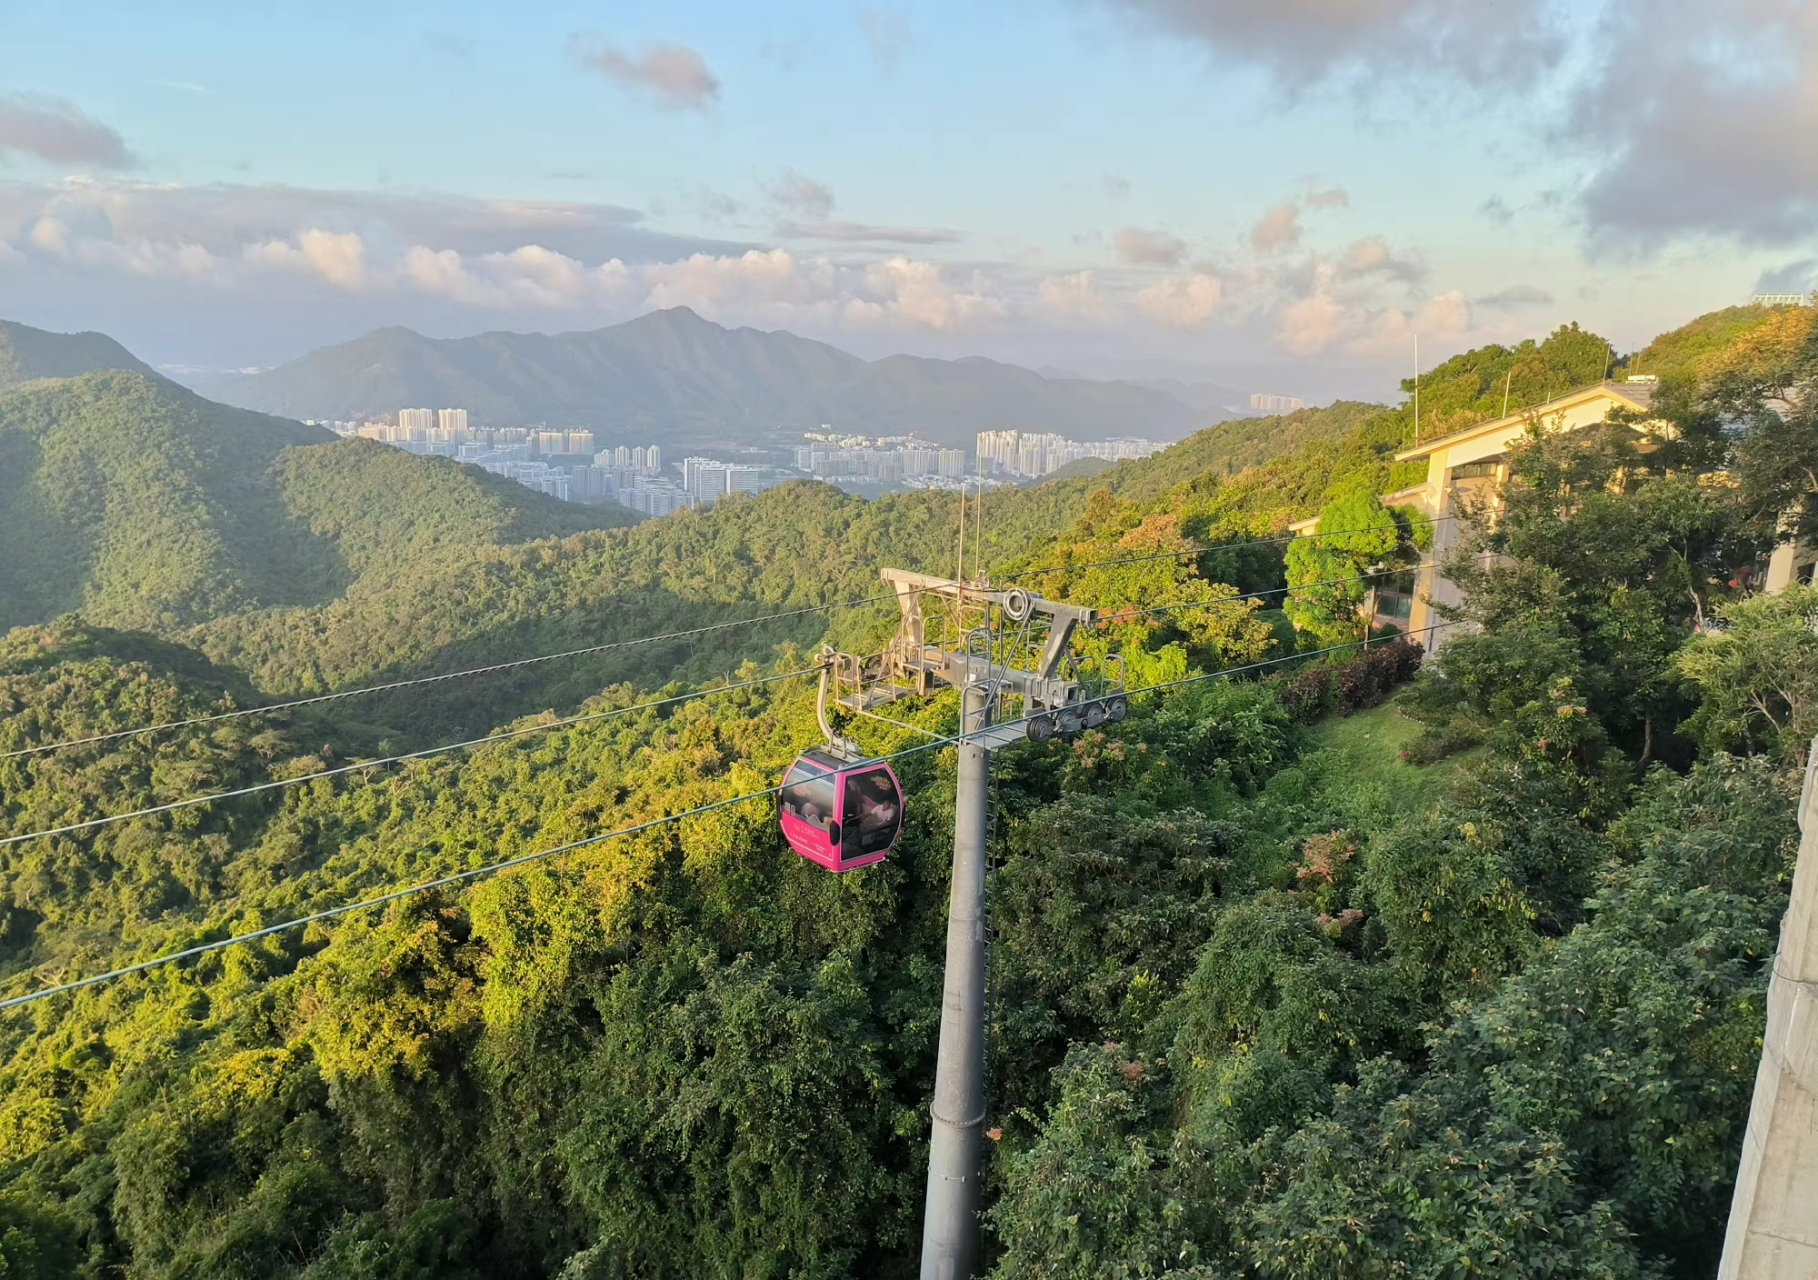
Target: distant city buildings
[[889, 460], [564, 464], [1276, 404], [1030, 454], [708, 480]]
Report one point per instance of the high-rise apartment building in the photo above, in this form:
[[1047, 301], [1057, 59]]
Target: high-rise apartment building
[[452, 420], [416, 419], [1276, 404]]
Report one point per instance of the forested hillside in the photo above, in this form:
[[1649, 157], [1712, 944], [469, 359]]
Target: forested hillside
[[1342, 968], [148, 507]]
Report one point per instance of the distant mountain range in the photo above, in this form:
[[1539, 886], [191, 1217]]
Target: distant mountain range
[[674, 378], [27, 354]]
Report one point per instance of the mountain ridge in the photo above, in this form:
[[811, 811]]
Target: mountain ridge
[[675, 377], [28, 354]]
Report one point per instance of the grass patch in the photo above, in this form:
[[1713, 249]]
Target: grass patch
[[1351, 776]]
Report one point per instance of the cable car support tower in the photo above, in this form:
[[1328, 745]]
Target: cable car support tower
[[1009, 653]]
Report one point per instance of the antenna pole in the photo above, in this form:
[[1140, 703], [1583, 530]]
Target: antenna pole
[[1505, 390], [1417, 388], [978, 524], [959, 568], [950, 1224]]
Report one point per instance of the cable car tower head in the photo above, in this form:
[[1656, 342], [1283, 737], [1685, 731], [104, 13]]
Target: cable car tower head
[[1014, 647], [1005, 649]]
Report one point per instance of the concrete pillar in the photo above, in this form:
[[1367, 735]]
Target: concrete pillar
[[1773, 1228], [1788, 564]]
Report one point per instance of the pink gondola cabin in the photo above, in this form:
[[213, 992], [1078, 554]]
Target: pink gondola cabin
[[841, 815]]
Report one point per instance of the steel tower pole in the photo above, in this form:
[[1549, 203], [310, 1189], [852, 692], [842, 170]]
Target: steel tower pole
[[950, 1221]]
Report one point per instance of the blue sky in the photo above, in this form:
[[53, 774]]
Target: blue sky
[[1274, 194]]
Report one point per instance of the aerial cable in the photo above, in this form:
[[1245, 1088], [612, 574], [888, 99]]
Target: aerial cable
[[475, 873], [1215, 547], [1112, 616], [424, 754], [416, 681]]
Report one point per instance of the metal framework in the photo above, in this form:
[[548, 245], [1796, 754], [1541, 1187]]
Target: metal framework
[[1006, 642]]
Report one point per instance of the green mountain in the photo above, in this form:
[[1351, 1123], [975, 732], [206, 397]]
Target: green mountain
[[27, 354], [147, 507], [678, 379], [1284, 982]]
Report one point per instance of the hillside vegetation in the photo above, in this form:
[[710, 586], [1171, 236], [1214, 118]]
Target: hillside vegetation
[[1471, 982], [147, 507]]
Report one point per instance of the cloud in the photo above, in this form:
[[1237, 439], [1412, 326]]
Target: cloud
[[1391, 331], [886, 33], [1497, 210], [1372, 256], [54, 130], [1278, 229], [1516, 295], [226, 217], [1716, 137], [865, 233], [1795, 277], [337, 258], [1338, 310], [1181, 302], [1685, 119], [1114, 185], [184, 86], [1335, 198], [804, 195], [1075, 296], [915, 291], [674, 75], [1309, 39], [1150, 248], [529, 276]]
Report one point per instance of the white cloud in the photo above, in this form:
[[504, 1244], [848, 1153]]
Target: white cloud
[[915, 291], [1073, 296], [1372, 256], [1683, 119], [1150, 248], [674, 75], [864, 233], [55, 131], [757, 279], [337, 258], [1182, 302], [530, 276], [803, 194], [1278, 229], [1311, 324]]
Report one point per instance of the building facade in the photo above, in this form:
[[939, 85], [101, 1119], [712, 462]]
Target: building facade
[[1466, 471]]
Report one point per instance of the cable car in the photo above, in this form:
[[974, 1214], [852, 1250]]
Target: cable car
[[840, 814]]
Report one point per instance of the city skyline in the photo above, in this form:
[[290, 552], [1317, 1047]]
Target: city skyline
[[1122, 188]]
